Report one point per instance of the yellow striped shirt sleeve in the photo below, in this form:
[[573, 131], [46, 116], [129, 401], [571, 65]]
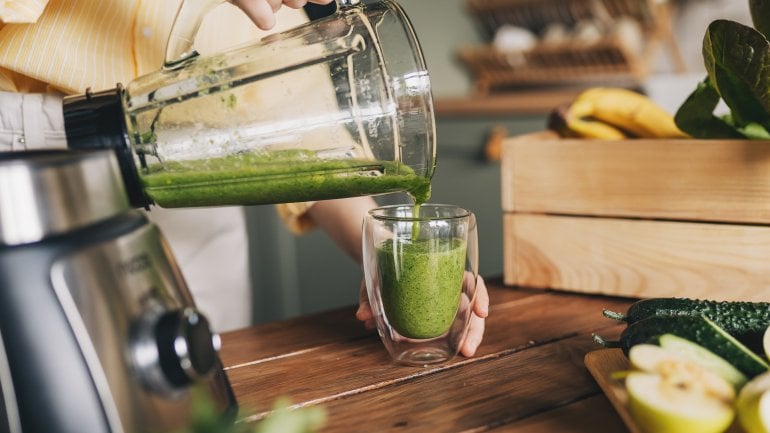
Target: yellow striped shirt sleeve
[[21, 11], [74, 45], [77, 44]]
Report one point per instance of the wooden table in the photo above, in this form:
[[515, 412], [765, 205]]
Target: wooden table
[[528, 375]]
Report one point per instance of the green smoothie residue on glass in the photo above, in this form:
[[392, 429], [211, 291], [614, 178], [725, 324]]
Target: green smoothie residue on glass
[[421, 283], [274, 177], [230, 101]]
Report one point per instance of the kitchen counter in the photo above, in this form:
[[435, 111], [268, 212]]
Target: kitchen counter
[[528, 375], [519, 102]]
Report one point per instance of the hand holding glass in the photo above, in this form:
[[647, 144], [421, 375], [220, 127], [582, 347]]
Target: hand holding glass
[[420, 273]]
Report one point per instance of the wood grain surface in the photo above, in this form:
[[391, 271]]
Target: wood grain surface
[[602, 364], [637, 258], [701, 180], [528, 374]]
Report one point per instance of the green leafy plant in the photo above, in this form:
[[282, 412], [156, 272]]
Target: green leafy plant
[[282, 419], [737, 59]]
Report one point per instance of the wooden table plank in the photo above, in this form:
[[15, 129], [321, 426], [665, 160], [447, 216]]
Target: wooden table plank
[[578, 417], [328, 359], [352, 365], [473, 397], [284, 337], [280, 338]]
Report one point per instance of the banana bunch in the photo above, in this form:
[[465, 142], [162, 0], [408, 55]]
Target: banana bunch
[[613, 113]]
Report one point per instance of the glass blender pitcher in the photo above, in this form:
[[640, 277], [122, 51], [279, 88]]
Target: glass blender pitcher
[[338, 107]]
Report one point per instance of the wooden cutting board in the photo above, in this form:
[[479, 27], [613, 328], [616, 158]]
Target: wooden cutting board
[[602, 364]]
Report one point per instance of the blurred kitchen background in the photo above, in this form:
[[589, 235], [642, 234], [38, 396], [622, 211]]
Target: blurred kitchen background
[[498, 67]]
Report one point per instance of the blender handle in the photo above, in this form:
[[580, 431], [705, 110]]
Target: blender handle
[[179, 47], [188, 20]]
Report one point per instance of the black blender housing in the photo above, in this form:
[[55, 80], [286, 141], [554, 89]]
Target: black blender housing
[[97, 121]]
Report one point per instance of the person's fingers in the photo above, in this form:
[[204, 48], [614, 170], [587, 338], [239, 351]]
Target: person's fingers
[[320, 2], [474, 337], [364, 312], [477, 324], [259, 11], [275, 4], [481, 307], [295, 4]]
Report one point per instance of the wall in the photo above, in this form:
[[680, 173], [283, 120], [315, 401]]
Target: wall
[[441, 27]]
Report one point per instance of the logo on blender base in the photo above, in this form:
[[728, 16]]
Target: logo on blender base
[[136, 264]]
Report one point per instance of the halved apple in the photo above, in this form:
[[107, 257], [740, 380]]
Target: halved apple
[[704, 357], [753, 405], [680, 370], [661, 404]]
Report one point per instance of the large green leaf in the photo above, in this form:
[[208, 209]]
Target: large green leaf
[[696, 115], [737, 59], [760, 15]]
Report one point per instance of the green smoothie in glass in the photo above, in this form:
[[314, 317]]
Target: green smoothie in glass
[[421, 282]]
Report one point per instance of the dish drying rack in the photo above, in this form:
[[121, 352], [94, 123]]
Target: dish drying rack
[[568, 62]]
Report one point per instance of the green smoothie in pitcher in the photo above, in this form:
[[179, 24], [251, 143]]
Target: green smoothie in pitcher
[[421, 283], [275, 177]]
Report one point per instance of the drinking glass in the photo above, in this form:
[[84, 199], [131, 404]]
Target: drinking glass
[[421, 268]]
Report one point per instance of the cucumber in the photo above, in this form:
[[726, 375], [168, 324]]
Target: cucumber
[[746, 321], [698, 329]]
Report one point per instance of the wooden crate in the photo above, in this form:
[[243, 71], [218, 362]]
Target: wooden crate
[[638, 218]]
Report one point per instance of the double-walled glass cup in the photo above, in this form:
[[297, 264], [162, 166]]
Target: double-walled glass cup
[[421, 274]]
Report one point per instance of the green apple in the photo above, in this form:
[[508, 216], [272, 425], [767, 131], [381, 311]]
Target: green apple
[[704, 357], [680, 369], [753, 405], [661, 404]]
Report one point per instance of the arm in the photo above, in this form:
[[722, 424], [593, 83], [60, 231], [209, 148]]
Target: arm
[[341, 220]]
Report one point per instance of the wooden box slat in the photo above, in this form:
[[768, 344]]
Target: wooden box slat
[[698, 180], [638, 258]]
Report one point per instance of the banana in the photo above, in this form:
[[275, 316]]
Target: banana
[[579, 122], [594, 129], [567, 122], [625, 110]]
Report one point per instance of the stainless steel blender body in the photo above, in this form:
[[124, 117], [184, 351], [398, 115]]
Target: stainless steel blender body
[[98, 331]]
